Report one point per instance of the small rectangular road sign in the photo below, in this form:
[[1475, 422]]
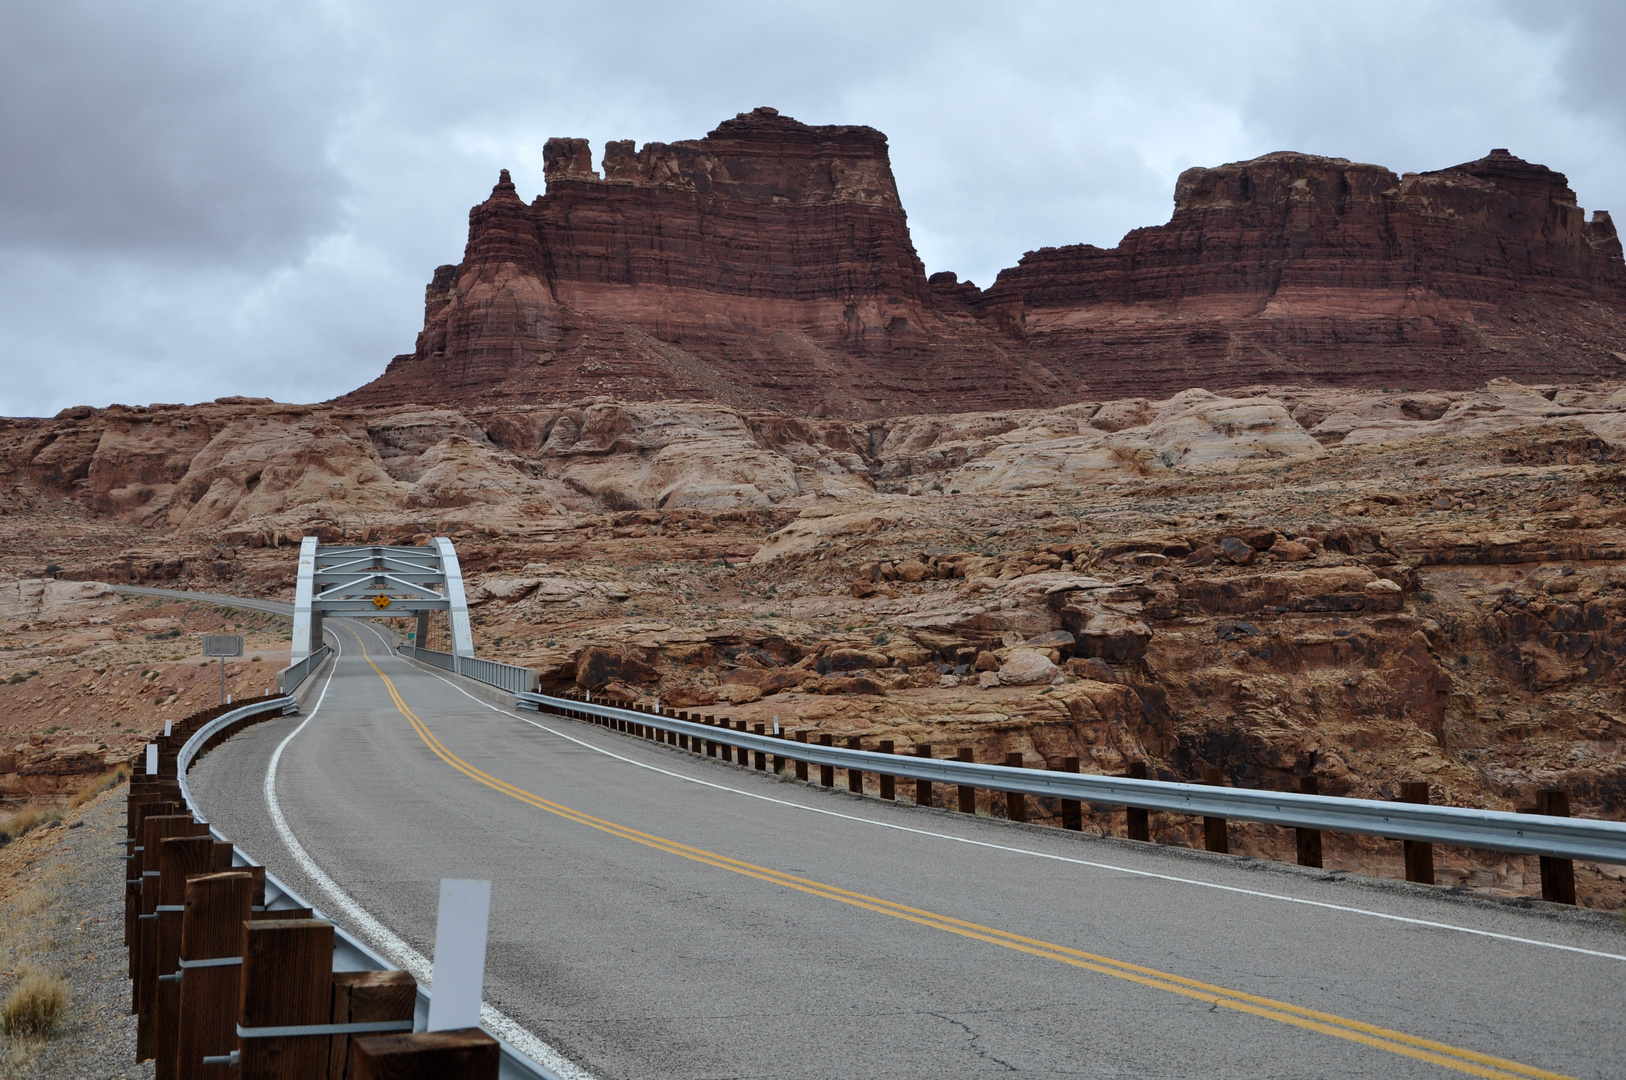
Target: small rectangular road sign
[[222, 644]]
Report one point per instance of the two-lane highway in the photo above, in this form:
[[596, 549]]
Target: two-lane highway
[[659, 915]]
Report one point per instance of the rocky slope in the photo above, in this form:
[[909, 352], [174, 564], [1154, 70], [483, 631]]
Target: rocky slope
[[1377, 587], [769, 265]]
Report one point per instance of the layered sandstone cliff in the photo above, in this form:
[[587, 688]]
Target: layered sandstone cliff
[[769, 265]]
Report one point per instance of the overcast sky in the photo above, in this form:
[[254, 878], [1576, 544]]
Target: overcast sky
[[203, 199]]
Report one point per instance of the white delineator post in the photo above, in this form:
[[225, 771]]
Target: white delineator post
[[152, 759], [460, 954], [166, 727]]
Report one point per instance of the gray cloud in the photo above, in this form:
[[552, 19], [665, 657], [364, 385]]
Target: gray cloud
[[198, 199]]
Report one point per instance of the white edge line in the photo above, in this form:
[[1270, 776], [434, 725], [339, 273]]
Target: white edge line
[[1028, 851], [387, 942]]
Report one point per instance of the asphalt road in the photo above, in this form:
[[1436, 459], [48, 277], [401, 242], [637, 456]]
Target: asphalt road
[[275, 607], [661, 915]]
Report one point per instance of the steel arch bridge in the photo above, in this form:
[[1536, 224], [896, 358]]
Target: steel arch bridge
[[378, 580]]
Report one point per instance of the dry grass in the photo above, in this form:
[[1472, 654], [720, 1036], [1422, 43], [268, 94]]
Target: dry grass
[[35, 1005], [105, 782], [25, 821]]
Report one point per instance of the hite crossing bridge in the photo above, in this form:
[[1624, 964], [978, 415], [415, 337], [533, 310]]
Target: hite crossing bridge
[[657, 912], [379, 580]]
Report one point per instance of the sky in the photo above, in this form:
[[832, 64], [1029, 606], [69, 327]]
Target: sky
[[201, 199]]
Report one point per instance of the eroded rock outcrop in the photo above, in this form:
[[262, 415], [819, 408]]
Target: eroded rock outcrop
[[770, 264]]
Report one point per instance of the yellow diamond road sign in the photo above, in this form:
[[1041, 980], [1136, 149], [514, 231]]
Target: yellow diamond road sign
[[381, 601]]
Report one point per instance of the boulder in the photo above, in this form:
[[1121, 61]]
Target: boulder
[[1289, 551], [1026, 667], [855, 659], [598, 665], [1235, 551], [1111, 636], [986, 661]]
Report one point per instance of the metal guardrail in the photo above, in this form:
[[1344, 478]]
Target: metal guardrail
[[444, 660], [1453, 826], [509, 677], [289, 678], [349, 952]]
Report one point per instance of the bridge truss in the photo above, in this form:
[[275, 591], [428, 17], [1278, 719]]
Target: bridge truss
[[367, 582]]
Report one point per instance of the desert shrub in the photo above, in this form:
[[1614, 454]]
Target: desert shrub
[[105, 782], [35, 1006], [23, 822]]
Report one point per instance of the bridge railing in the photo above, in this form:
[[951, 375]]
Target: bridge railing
[[290, 677], [1455, 826], [509, 677]]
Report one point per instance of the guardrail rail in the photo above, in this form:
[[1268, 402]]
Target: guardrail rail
[[156, 970], [1526, 833]]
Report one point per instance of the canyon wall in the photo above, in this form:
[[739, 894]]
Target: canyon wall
[[769, 266]]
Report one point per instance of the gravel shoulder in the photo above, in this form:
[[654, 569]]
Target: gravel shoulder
[[61, 895]]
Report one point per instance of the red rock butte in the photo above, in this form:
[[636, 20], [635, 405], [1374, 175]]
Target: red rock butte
[[769, 265]]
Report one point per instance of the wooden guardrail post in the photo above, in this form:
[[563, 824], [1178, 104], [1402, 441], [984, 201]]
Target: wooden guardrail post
[[778, 759], [855, 777], [724, 751], [361, 997], [1308, 841], [801, 766], [923, 788], [1557, 875], [1137, 820], [145, 984], [1419, 855], [179, 858], [888, 782], [759, 758], [465, 1054], [1072, 811], [711, 744], [967, 792], [1216, 833], [287, 979], [134, 859], [1016, 803], [217, 906], [827, 773]]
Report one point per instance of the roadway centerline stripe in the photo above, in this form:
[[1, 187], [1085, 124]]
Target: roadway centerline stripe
[[1459, 1059]]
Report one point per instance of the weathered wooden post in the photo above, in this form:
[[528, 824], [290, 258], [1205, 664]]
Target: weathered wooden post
[[1072, 811], [855, 777], [467, 1054], [179, 858], [367, 997], [967, 792], [1308, 841], [287, 980], [1419, 854], [759, 758], [801, 765], [923, 788], [827, 773], [1137, 820], [217, 906], [1016, 803], [1216, 834], [1557, 875], [888, 782]]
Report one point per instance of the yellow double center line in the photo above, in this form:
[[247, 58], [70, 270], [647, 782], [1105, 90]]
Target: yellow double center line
[[1395, 1042]]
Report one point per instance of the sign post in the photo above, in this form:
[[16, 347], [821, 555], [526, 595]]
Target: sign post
[[223, 645]]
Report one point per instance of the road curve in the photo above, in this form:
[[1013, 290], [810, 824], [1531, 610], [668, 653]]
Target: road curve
[[275, 607], [655, 914]]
